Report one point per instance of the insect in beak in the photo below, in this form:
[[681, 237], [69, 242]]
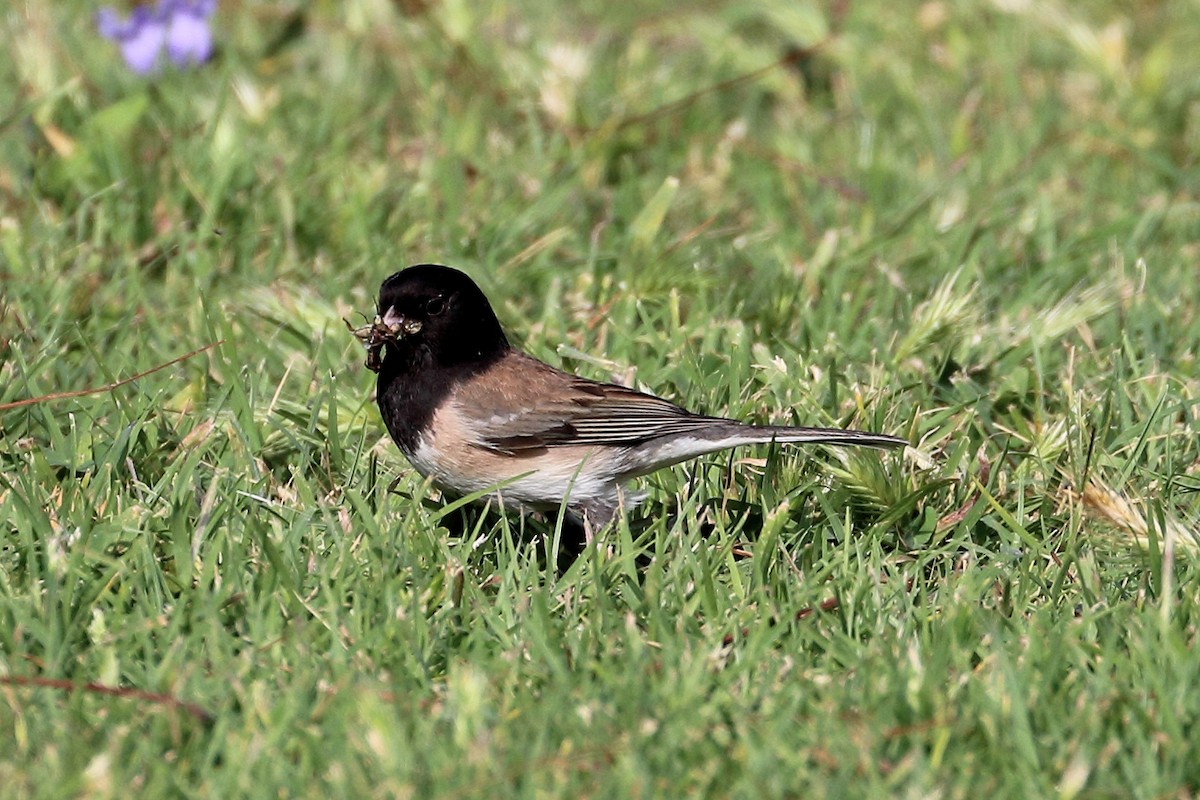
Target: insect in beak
[[374, 335]]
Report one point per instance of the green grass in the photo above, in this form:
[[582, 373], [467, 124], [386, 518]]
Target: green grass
[[973, 224]]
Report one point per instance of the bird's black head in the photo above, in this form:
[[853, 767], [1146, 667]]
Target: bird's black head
[[441, 319]]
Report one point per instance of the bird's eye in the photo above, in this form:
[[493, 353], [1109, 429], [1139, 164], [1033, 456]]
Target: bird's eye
[[436, 306]]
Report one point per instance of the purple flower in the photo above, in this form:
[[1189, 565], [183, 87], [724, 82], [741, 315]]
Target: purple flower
[[141, 36], [181, 25], [189, 40]]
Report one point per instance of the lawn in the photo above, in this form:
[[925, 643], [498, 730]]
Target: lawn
[[972, 224]]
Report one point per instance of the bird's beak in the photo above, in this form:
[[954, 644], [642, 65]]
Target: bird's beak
[[392, 320], [397, 324]]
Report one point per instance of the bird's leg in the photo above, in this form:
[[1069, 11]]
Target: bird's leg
[[596, 517], [598, 514]]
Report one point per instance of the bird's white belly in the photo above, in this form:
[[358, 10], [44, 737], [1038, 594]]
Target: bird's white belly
[[543, 479]]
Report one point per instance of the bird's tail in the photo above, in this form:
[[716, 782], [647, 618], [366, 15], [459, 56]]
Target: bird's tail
[[835, 436], [720, 434]]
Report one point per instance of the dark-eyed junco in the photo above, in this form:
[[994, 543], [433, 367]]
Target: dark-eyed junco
[[471, 412]]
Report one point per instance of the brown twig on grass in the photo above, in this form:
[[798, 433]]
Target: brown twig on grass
[[91, 687], [793, 56], [46, 398]]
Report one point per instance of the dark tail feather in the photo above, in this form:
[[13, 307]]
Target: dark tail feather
[[834, 436]]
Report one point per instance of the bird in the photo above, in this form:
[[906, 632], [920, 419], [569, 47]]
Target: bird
[[472, 412]]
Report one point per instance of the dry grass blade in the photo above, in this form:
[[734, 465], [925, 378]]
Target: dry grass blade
[[46, 398], [1124, 515]]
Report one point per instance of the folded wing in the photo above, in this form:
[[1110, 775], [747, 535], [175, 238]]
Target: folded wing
[[544, 407]]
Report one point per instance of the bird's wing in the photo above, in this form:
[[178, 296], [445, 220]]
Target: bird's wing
[[531, 405]]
